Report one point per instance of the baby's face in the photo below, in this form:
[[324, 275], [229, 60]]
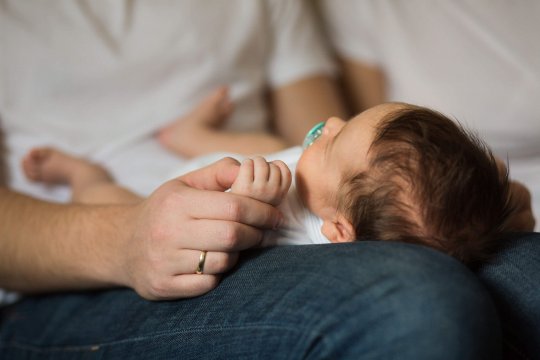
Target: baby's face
[[342, 148]]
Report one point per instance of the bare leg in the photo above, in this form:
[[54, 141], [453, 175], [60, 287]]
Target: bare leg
[[90, 183]]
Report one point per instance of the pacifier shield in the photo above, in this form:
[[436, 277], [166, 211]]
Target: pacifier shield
[[313, 134]]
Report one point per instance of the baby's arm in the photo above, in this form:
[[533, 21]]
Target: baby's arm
[[201, 131], [264, 181]]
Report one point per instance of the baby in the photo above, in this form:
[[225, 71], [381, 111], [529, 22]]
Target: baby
[[395, 172]]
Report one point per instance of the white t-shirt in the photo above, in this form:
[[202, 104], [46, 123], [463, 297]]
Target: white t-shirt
[[98, 78], [475, 60]]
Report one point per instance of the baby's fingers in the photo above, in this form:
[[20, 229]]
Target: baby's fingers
[[274, 178], [262, 170], [246, 172], [285, 174], [244, 180]]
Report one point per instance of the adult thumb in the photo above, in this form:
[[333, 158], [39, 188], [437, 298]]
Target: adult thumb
[[218, 176]]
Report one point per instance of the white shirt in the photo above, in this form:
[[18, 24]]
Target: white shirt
[[98, 78], [475, 60]]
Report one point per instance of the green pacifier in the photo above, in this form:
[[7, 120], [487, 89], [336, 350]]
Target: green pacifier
[[313, 134]]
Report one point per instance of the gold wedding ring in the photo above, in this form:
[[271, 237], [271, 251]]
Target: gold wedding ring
[[202, 259]]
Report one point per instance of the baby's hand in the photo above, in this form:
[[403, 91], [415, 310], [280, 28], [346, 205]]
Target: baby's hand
[[262, 180]]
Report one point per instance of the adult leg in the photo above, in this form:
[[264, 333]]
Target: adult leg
[[368, 300], [513, 279], [90, 183]]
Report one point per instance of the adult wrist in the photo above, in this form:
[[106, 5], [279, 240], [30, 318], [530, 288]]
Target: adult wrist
[[116, 233]]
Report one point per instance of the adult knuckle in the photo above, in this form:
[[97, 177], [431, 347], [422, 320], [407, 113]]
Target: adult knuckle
[[171, 200], [221, 262], [153, 260], [158, 234], [158, 288], [230, 236], [234, 210], [145, 293]]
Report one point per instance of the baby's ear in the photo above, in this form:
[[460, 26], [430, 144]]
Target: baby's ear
[[338, 229]]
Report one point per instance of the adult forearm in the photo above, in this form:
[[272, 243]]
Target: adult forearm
[[302, 104], [47, 247], [364, 84]]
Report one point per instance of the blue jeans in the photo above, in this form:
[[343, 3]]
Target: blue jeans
[[513, 279], [368, 300]]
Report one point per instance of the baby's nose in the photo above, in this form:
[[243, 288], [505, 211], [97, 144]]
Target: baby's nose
[[333, 124]]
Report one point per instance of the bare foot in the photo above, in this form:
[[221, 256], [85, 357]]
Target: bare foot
[[52, 166], [210, 113]]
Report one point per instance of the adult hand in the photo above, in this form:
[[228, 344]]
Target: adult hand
[[185, 216]]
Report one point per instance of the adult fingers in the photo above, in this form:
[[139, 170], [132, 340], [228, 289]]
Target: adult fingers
[[218, 176], [185, 261], [220, 236], [230, 207], [181, 286], [192, 285]]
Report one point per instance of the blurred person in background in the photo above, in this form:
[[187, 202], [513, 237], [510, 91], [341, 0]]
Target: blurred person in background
[[478, 61]]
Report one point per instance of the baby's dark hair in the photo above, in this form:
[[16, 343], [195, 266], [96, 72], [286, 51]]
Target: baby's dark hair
[[429, 182]]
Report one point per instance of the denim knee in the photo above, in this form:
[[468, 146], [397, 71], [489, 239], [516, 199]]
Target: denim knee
[[512, 279], [401, 301]]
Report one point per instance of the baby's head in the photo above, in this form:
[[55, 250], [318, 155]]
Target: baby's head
[[405, 173]]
